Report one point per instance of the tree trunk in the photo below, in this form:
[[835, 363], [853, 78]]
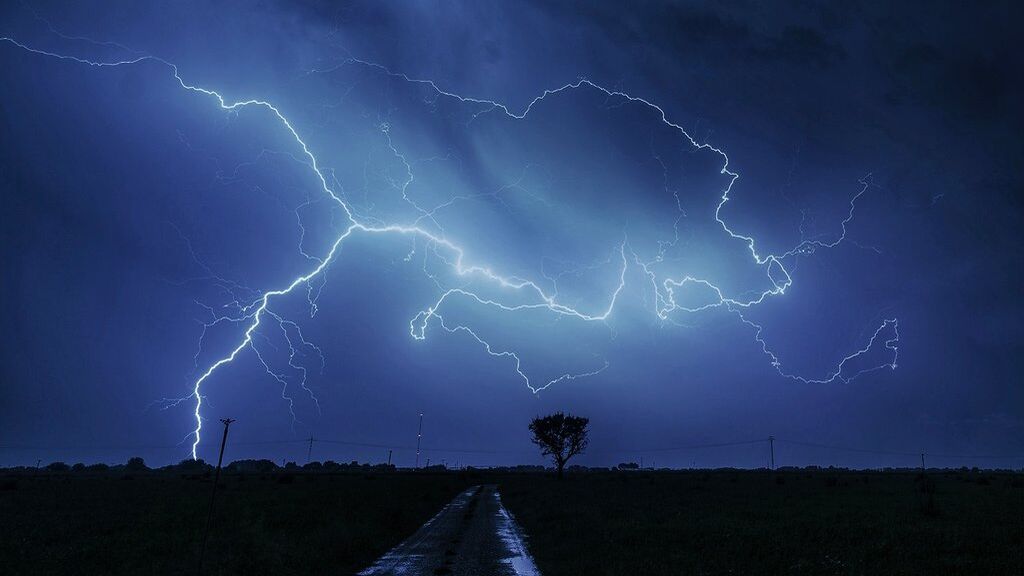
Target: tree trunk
[[561, 466]]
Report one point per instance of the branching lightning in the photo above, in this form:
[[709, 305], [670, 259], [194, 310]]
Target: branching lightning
[[251, 308]]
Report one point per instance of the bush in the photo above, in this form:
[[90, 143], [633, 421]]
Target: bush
[[265, 466], [248, 466], [58, 467], [136, 464], [190, 465]]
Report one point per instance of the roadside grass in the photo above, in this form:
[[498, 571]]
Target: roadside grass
[[753, 522], [151, 523]]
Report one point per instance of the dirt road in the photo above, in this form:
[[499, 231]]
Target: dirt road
[[473, 535]]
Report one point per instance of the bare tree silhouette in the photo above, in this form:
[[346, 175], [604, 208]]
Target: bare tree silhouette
[[560, 436]]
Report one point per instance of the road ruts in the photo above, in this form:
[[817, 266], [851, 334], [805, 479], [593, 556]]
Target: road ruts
[[473, 535]]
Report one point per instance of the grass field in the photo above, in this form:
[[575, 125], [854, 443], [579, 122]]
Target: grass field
[[644, 523], [755, 523], [264, 524]]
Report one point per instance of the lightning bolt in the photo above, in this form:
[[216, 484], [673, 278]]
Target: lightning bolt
[[254, 311]]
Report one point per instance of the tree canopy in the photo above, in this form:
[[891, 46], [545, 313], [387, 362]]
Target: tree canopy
[[560, 436]]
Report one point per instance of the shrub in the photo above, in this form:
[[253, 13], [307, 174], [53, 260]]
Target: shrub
[[189, 465], [136, 464], [265, 466]]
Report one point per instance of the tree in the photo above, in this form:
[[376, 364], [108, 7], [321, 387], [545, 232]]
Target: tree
[[136, 464], [264, 466], [190, 466], [560, 436]]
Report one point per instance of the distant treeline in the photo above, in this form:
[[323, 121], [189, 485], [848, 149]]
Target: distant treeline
[[199, 466], [189, 466]]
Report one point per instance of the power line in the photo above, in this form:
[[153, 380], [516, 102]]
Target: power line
[[419, 437], [297, 441], [213, 493], [897, 453], [677, 448], [845, 448], [462, 450], [19, 446]]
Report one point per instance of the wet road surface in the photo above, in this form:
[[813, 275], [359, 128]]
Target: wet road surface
[[473, 535]]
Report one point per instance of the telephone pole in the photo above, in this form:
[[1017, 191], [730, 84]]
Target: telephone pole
[[419, 436], [216, 478], [389, 457], [922, 462], [309, 452], [771, 451]]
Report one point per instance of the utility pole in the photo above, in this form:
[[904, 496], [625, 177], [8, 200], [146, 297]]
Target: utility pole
[[309, 452], [771, 451], [216, 478], [419, 436], [389, 457], [922, 462]]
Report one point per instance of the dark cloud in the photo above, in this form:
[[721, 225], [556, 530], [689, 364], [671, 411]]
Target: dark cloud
[[806, 98]]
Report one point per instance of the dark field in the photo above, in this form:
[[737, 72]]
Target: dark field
[[752, 523], [627, 523], [263, 524]]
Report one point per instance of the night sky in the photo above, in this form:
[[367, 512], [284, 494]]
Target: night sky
[[483, 212]]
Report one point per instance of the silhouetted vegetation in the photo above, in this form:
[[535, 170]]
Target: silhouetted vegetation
[[136, 464], [560, 436]]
